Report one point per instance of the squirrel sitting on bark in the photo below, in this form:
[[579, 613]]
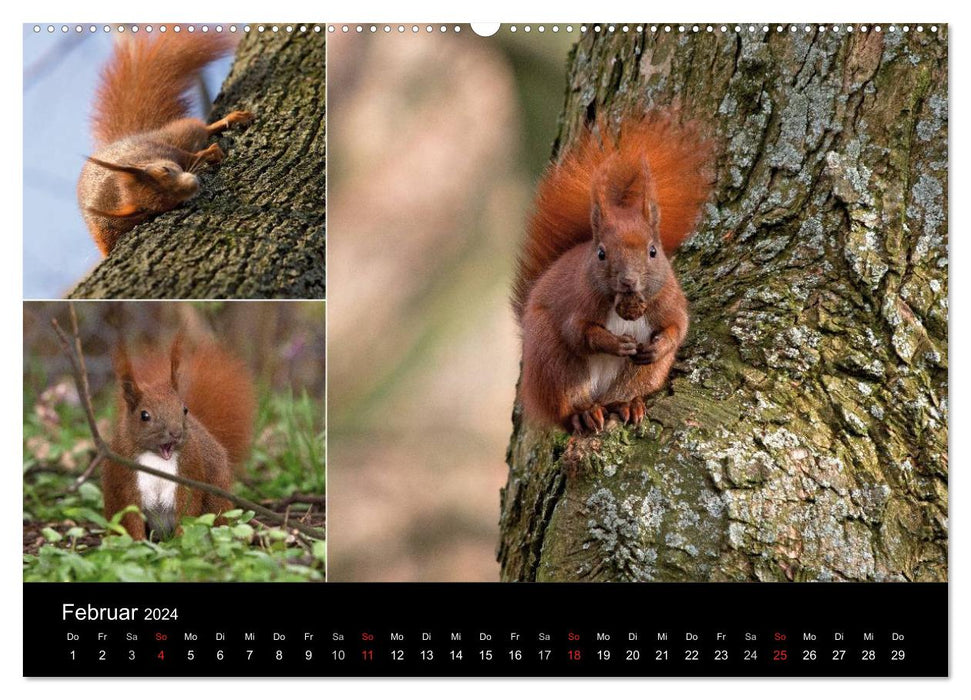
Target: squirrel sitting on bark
[[185, 413], [601, 311], [147, 149]]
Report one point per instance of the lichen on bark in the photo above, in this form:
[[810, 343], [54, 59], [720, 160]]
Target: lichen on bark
[[803, 434], [257, 229]]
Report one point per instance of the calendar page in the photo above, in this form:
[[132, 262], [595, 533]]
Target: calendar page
[[353, 326]]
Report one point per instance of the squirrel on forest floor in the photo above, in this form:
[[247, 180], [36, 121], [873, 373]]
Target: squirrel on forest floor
[[189, 415], [147, 148], [601, 311]]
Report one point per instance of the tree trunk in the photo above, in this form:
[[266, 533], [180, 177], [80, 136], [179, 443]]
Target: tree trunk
[[257, 228], [803, 434]]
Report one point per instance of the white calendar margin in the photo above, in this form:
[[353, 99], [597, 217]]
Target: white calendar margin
[[11, 290]]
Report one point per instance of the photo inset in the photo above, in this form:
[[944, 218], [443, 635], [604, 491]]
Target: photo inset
[[174, 162], [174, 441]]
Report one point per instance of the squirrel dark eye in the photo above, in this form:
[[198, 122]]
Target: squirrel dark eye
[[653, 252], [145, 416], [601, 253], [185, 410]]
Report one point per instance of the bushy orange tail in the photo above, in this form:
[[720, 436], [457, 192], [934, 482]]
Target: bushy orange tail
[[143, 85], [679, 157], [218, 389]]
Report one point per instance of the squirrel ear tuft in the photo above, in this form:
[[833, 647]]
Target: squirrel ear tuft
[[600, 196], [127, 211], [129, 387], [653, 216], [117, 167], [596, 218], [176, 359]]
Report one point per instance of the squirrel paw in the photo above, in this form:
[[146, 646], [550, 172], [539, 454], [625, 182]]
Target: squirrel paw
[[213, 154], [626, 346], [590, 421], [648, 353], [631, 412], [240, 117]]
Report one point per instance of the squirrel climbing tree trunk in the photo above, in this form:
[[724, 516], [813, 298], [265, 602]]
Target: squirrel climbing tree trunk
[[803, 432], [257, 229]]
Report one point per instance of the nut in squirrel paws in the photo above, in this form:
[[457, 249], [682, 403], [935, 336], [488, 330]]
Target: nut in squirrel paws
[[591, 420], [631, 412], [630, 306]]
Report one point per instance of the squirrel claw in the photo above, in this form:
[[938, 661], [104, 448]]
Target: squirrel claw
[[590, 421], [621, 409], [631, 412]]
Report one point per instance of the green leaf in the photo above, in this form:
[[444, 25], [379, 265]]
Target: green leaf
[[85, 513], [116, 518], [131, 572], [243, 531], [51, 535], [90, 494]]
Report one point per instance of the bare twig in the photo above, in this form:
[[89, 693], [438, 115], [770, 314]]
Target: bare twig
[[86, 474], [81, 381], [295, 498], [76, 357]]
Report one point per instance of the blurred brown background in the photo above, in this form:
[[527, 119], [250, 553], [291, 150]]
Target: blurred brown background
[[435, 142]]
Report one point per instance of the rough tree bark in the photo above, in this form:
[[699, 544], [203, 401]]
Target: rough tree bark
[[803, 435], [257, 230]]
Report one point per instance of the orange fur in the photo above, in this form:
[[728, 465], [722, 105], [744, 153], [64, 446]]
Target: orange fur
[[678, 157], [219, 392], [144, 83]]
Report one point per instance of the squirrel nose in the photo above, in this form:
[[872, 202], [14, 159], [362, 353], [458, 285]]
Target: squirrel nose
[[629, 283], [175, 435]]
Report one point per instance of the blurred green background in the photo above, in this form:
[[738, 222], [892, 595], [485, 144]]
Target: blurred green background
[[435, 144], [282, 344]]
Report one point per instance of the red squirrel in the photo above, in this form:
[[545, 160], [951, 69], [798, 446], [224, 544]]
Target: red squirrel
[[601, 312], [186, 413], [147, 149]]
